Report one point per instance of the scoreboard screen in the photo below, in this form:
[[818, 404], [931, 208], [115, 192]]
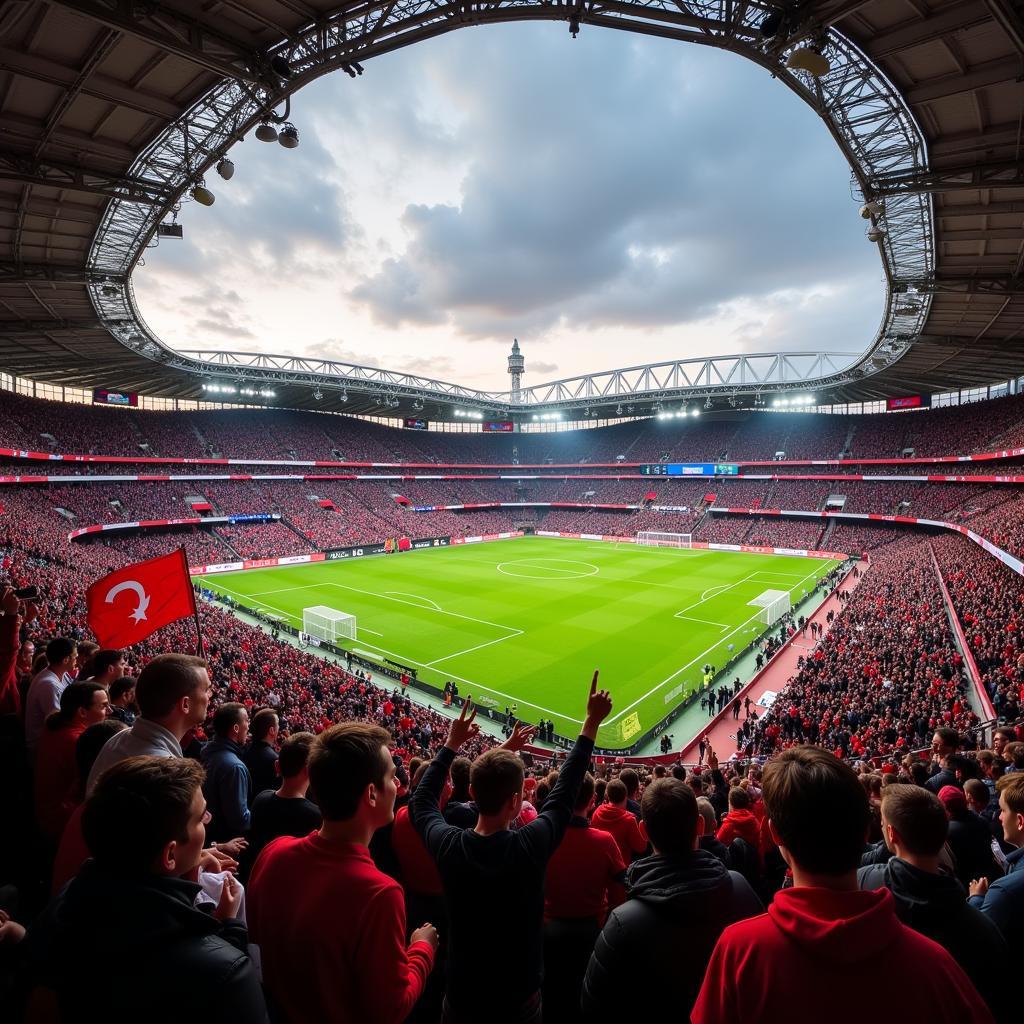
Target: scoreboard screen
[[690, 469], [415, 423]]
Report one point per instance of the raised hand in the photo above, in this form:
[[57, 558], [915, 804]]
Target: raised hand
[[230, 900], [521, 735], [464, 727], [599, 707]]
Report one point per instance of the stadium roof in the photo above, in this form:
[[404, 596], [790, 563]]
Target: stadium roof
[[109, 111]]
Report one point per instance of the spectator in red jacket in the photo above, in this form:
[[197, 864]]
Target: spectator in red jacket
[[740, 822], [81, 705], [614, 817], [823, 936], [329, 924], [584, 880]]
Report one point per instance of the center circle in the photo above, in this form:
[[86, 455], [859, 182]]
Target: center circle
[[547, 569]]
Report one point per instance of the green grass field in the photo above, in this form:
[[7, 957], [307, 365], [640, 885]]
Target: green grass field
[[527, 621]]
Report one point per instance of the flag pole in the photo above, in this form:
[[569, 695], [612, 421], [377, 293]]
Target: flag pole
[[200, 652]]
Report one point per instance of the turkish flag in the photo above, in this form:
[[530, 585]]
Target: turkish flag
[[130, 604]]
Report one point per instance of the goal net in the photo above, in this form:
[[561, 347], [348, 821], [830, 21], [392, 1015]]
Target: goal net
[[653, 539], [323, 623], [773, 605]]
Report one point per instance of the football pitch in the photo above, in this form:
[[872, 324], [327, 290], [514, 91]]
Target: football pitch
[[526, 621]]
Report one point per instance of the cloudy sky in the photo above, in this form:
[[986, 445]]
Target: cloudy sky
[[609, 200]]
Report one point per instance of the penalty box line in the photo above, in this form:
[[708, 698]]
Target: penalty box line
[[703, 654]]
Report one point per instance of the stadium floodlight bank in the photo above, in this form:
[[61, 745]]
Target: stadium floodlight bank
[[653, 539], [774, 605], [327, 624]]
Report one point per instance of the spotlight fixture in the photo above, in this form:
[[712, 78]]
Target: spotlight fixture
[[872, 208], [108, 290], [280, 66], [618, 410], [266, 133], [875, 233], [343, 397], [318, 395], [226, 168], [202, 195], [810, 59], [708, 404], [696, 412], [289, 136]]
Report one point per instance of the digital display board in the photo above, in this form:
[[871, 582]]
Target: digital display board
[[101, 396], [498, 426], [908, 402], [415, 423], [690, 469]]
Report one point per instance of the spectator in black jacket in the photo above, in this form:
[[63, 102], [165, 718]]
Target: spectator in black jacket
[[286, 811], [145, 825], [678, 901], [930, 901], [708, 840], [261, 757], [970, 840], [493, 876]]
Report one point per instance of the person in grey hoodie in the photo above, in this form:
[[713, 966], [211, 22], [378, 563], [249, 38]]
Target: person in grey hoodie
[[931, 901], [678, 901]]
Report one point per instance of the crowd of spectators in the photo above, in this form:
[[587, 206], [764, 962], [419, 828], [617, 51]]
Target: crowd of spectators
[[885, 676]]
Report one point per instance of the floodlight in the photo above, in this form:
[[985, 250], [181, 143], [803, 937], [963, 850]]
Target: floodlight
[[875, 234], [809, 59], [226, 169], [708, 404], [202, 195], [289, 137], [266, 133], [696, 412], [343, 397], [618, 410], [872, 208], [318, 395]]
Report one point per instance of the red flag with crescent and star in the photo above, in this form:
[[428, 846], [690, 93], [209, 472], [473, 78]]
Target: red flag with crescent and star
[[130, 604]]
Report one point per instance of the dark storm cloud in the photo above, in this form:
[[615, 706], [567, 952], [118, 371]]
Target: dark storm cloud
[[625, 185]]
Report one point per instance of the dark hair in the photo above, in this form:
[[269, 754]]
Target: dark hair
[[739, 798], [460, 771], [616, 791], [103, 660], [1015, 752], [226, 717], [586, 793], [630, 780], [343, 761], [263, 721], [918, 816], [919, 773], [165, 681], [119, 687], [60, 648], [949, 737], [92, 741], [294, 754], [978, 790], [73, 698], [137, 807], [669, 809], [495, 777], [1007, 732], [818, 808], [677, 771]]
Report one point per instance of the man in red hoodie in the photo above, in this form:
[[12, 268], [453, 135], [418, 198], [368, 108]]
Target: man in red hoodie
[[823, 937], [615, 818], [329, 924]]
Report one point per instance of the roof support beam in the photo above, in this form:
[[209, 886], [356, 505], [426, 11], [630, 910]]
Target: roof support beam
[[978, 176], [978, 209], [993, 73], [33, 328], [23, 272], [997, 284], [98, 86], [920, 31], [172, 32], [15, 167]]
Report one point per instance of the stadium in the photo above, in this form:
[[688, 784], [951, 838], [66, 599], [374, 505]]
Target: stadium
[[432, 684]]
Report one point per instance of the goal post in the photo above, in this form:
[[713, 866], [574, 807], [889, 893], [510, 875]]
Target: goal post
[[328, 624], [654, 539], [773, 605]]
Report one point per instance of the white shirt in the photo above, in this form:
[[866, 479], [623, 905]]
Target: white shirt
[[143, 738], [42, 700]]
